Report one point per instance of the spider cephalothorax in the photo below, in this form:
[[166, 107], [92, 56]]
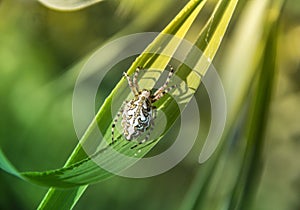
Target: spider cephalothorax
[[138, 114]]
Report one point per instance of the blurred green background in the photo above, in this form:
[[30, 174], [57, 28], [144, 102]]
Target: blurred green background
[[39, 48]]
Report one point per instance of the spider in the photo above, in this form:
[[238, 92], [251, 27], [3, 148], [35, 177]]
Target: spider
[[138, 114]]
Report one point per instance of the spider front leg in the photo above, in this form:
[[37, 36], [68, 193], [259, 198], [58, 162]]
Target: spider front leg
[[135, 77], [115, 122], [133, 85], [163, 89], [161, 94]]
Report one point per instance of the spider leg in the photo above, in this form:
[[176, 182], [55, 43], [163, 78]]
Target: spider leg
[[115, 122], [163, 89], [135, 82], [164, 86], [131, 85], [157, 97]]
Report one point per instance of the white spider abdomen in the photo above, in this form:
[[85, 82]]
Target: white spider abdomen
[[136, 117]]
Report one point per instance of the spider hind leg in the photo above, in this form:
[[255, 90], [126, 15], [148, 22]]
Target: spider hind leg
[[113, 126]]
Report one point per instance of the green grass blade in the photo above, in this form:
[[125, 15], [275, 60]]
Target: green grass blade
[[215, 191], [62, 199], [251, 171], [6, 165]]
